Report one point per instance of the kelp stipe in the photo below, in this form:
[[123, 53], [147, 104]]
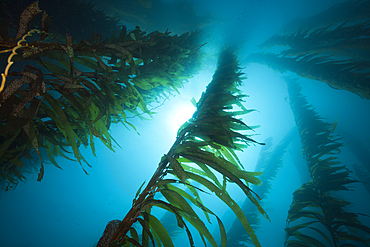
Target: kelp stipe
[[316, 217], [204, 145]]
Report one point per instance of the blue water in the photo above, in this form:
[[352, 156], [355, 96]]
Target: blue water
[[70, 208]]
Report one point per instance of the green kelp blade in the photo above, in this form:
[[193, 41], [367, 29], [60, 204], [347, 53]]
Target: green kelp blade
[[307, 213], [114, 140], [230, 156], [63, 59], [103, 134], [180, 221], [131, 125], [206, 171], [224, 183], [59, 150], [141, 83], [134, 234], [156, 237], [249, 177], [132, 241], [177, 168], [8, 141], [144, 224], [222, 232], [50, 154], [163, 182], [321, 233], [139, 190], [292, 229], [198, 199], [230, 203], [308, 239], [193, 170], [194, 102], [196, 202], [17, 162], [52, 67], [348, 224], [207, 211], [91, 136], [296, 243], [69, 133], [160, 230], [212, 161], [348, 237], [189, 214], [209, 173], [30, 130], [88, 62]]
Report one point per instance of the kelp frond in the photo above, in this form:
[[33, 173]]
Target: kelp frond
[[269, 161], [350, 10], [203, 150], [336, 53], [347, 75], [316, 217], [70, 93], [347, 39]]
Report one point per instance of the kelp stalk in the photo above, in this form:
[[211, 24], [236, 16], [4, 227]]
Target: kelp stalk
[[139, 203], [316, 214], [205, 141]]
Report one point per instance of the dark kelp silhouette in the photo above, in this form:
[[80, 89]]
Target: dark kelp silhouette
[[360, 151], [337, 54], [363, 174], [204, 145], [61, 15], [177, 16], [70, 93], [344, 74], [354, 10], [269, 161], [317, 217]]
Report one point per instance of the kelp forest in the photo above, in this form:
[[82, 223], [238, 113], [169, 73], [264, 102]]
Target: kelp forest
[[81, 88], [63, 90]]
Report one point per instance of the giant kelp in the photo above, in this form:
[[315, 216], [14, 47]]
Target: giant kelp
[[269, 161], [177, 16], [363, 174], [62, 14], [204, 148], [345, 40], [353, 10], [360, 151], [317, 215], [338, 74], [70, 93], [337, 54]]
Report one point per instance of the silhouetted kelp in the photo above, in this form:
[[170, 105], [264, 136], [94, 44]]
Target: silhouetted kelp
[[70, 93], [317, 216], [336, 53], [361, 152], [352, 10], [177, 16], [75, 17], [269, 162]]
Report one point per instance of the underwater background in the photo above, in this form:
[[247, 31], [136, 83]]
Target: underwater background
[[70, 208]]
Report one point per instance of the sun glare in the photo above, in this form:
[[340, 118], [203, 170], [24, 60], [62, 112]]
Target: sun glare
[[182, 113]]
